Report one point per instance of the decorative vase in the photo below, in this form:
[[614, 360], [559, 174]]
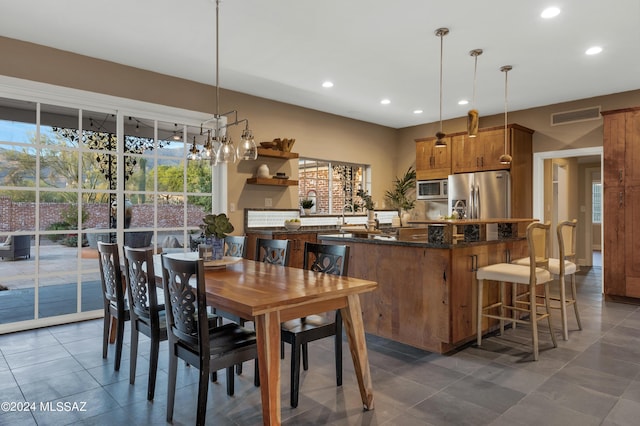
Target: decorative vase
[[217, 247], [406, 217], [371, 220], [263, 171], [307, 212]]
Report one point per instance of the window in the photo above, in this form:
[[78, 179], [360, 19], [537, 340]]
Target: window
[[332, 185], [596, 202]]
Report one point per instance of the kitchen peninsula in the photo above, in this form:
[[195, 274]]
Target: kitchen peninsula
[[425, 294]]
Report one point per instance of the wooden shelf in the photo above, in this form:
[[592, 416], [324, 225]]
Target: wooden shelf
[[272, 181], [265, 152]]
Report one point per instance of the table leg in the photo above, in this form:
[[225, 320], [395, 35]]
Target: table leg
[[354, 327], [268, 340]]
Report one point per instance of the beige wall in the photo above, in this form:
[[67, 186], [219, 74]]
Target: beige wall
[[318, 135]]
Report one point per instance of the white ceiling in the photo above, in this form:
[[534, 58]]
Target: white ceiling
[[370, 49]]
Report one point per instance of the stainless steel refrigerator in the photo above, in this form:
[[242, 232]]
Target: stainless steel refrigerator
[[481, 195]]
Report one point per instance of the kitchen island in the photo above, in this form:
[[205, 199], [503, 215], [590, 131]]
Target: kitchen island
[[425, 296]]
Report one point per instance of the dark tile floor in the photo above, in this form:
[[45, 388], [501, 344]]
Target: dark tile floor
[[592, 379]]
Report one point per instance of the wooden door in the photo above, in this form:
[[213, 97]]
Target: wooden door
[[631, 258], [492, 145], [614, 240], [465, 154], [631, 155], [432, 162], [614, 128]]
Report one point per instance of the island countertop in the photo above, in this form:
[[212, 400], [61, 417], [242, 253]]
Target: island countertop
[[471, 221]]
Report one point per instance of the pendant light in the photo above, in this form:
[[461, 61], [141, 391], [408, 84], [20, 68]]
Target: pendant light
[[505, 158], [219, 148], [440, 143], [472, 115]]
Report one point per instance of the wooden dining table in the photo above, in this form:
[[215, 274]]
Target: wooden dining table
[[272, 294]]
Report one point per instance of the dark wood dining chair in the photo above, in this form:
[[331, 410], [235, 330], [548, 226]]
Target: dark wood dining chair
[[235, 245], [330, 259], [192, 339], [275, 252], [113, 295], [147, 316]]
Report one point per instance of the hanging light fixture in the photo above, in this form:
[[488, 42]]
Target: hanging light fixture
[[440, 143], [472, 115], [225, 152], [505, 158]]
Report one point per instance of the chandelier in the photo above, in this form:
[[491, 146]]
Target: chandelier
[[218, 146]]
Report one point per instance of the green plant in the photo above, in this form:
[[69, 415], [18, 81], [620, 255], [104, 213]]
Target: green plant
[[306, 203], [365, 200], [398, 197], [217, 225]]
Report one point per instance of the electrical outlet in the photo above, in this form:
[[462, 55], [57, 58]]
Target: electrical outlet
[[232, 207], [268, 202]]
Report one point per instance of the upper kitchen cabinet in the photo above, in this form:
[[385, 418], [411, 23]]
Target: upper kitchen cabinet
[[621, 203], [432, 162], [482, 153]]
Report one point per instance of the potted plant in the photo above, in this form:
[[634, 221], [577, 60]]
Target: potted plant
[[399, 198], [307, 204], [215, 228], [367, 202]]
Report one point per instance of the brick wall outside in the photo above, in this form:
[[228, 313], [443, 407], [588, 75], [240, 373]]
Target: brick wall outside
[[17, 216]]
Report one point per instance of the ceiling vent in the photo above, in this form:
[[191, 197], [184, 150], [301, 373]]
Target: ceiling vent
[[575, 116]]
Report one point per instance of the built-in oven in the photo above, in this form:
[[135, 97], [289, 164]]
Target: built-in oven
[[431, 189]]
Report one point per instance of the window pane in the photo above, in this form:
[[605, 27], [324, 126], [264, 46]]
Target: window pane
[[596, 202]]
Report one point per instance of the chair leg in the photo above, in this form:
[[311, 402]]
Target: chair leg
[[479, 313], [295, 372], [105, 333], [305, 356], [134, 353], [230, 381], [153, 367], [575, 300], [119, 341], [171, 386], [502, 310], [214, 376], [547, 303], [514, 303], [563, 308], [281, 349], [533, 316], [239, 369], [203, 389]]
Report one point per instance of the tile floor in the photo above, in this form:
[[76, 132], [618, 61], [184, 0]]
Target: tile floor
[[593, 379]]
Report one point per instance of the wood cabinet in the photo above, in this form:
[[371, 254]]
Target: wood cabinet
[[621, 203], [478, 154], [296, 247], [432, 162]]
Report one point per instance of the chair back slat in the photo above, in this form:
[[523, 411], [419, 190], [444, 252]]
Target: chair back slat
[[275, 252], [110, 273], [140, 276], [186, 305], [327, 258], [566, 242], [236, 245], [538, 241]]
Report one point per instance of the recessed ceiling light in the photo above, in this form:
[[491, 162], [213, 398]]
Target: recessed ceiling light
[[417, 111], [385, 102], [593, 50], [463, 102], [327, 84], [550, 12]]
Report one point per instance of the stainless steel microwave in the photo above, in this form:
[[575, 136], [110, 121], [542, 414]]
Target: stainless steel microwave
[[431, 189]]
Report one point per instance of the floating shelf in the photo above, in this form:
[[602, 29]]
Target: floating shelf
[[266, 152], [272, 181]]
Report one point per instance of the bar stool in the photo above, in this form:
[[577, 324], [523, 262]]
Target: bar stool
[[567, 252], [534, 275]]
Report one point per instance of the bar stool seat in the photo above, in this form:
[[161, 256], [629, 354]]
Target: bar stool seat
[[537, 273]]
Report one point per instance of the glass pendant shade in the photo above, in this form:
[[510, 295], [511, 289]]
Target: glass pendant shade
[[247, 150], [227, 152]]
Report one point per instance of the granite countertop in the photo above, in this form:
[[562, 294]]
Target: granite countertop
[[408, 243]]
